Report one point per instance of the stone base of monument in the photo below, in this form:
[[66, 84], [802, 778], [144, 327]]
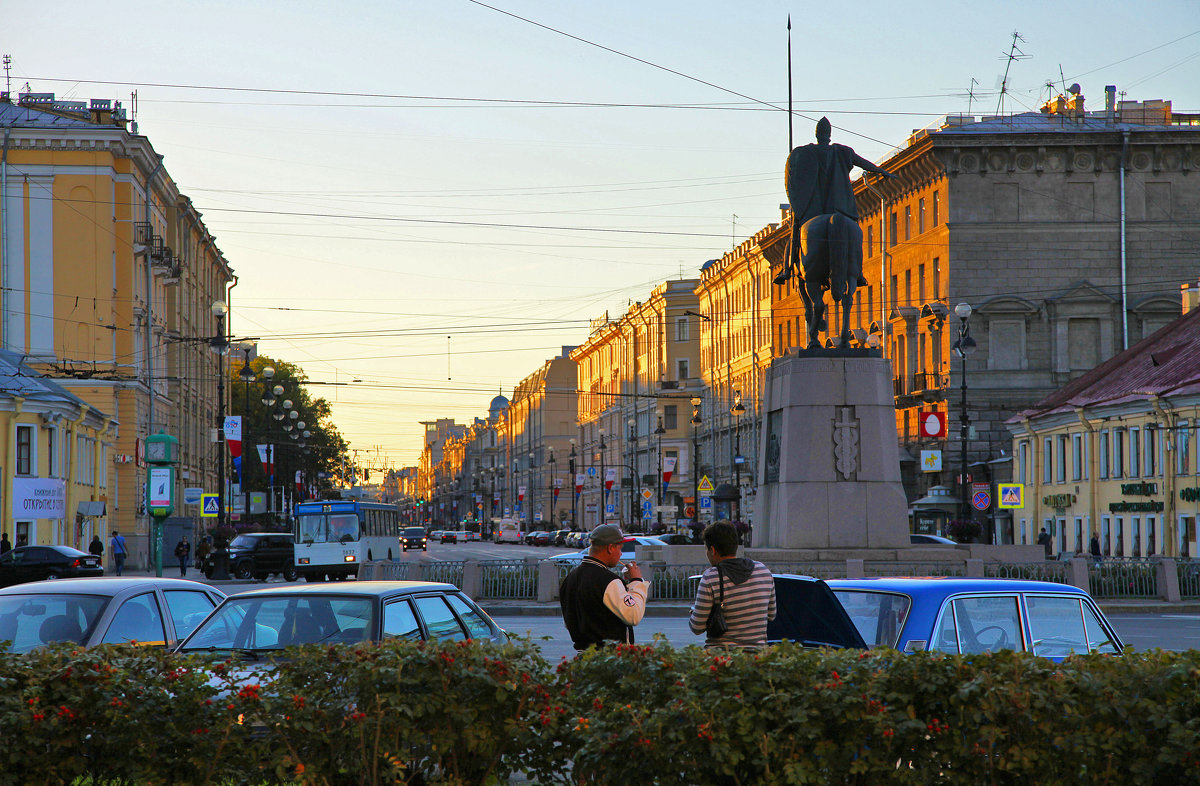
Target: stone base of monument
[[830, 463]]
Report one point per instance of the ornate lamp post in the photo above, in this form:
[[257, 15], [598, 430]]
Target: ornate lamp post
[[247, 376], [574, 494], [636, 492], [737, 411], [696, 459], [964, 347], [602, 509], [658, 482], [553, 490], [270, 395]]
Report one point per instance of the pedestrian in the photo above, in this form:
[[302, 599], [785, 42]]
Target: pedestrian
[[116, 547], [5, 545], [599, 608], [183, 552], [1045, 542], [96, 546], [203, 549], [742, 587], [1094, 547]]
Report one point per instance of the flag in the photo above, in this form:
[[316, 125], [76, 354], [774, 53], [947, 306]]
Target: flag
[[268, 461], [233, 438], [579, 479], [668, 470], [610, 476]]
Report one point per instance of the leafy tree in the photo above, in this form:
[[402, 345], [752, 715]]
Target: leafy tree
[[320, 456]]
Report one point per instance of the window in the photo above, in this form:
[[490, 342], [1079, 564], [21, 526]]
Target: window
[[1118, 453], [920, 215], [870, 240], [937, 205], [1182, 448], [892, 228], [921, 284], [1023, 461], [399, 622], [476, 626], [24, 450], [1119, 537], [1134, 453], [895, 288], [681, 329], [1135, 532], [908, 222], [985, 624], [1060, 626], [671, 416], [51, 453], [907, 288], [188, 609], [1103, 454], [1077, 455], [138, 620], [681, 370], [937, 279], [1105, 535], [1047, 460], [1152, 447], [439, 619], [1150, 522], [1060, 458]]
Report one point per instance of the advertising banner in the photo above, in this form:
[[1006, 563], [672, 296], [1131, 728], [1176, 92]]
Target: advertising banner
[[39, 498]]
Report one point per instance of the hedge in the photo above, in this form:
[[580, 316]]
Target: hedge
[[474, 712]]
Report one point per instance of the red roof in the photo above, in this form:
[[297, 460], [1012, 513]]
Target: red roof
[[1166, 363]]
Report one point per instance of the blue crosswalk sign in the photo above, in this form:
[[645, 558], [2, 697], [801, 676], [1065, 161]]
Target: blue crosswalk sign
[[210, 505], [647, 508]]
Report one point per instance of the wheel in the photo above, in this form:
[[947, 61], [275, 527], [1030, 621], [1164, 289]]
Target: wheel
[[289, 573], [243, 570]]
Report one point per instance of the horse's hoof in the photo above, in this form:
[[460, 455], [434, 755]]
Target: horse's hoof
[[781, 278]]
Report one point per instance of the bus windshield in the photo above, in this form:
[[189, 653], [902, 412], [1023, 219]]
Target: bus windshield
[[322, 528]]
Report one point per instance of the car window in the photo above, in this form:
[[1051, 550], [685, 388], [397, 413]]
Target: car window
[[985, 624], [283, 621], [30, 621], [37, 556], [399, 622], [1058, 628], [879, 616], [477, 627], [439, 620], [137, 620], [344, 527], [188, 608]]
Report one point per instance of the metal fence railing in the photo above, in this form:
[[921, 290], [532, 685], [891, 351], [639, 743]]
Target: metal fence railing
[[1189, 578], [1038, 571], [1118, 577], [818, 570], [675, 582], [907, 568], [391, 571], [508, 579], [446, 572]]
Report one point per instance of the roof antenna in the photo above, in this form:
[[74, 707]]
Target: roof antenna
[[1014, 53], [8, 74], [971, 94]]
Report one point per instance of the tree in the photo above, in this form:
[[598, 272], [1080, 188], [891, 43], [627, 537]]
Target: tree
[[320, 456]]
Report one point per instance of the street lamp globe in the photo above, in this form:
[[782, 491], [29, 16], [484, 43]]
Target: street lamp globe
[[219, 308], [963, 311], [268, 373]]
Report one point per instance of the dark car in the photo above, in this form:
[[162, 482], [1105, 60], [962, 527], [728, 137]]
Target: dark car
[[36, 563], [257, 555], [449, 536], [413, 538], [559, 537], [258, 621], [537, 538], [116, 610]]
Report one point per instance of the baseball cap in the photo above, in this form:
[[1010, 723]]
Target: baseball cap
[[607, 535]]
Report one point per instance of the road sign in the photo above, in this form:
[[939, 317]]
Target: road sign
[[610, 508], [982, 500], [1012, 495], [705, 485], [706, 503], [647, 508], [664, 508], [210, 505], [931, 461], [647, 494], [689, 511], [933, 425], [192, 495], [591, 472]]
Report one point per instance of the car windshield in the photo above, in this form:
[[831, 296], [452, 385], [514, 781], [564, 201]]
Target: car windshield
[[29, 621], [879, 616], [271, 623], [243, 542], [413, 532]]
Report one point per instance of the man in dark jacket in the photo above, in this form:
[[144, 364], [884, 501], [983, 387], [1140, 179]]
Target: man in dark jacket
[[598, 607], [1045, 541], [96, 546]]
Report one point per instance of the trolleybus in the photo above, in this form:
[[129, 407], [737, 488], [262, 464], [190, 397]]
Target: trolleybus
[[333, 538]]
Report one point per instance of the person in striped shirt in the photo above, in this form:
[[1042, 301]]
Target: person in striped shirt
[[749, 591]]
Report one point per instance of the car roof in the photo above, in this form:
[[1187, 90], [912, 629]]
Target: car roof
[[951, 585], [102, 586], [360, 588]]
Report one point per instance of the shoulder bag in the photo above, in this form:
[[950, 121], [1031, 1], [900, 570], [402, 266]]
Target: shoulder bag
[[716, 625]]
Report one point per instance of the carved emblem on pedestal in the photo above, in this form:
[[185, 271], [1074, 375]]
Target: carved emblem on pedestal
[[845, 443]]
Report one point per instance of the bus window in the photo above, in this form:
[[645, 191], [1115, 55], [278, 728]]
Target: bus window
[[310, 528], [344, 527]]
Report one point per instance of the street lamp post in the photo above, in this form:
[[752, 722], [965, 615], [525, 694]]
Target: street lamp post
[[658, 481], [696, 459], [220, 343], [602, 508], [532, 488], [574, 495], [270, 394], [553, 491], [636, 492], [964, 347], [737, 411], [247, 376]]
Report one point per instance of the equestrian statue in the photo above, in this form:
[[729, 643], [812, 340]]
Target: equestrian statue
[[825, 248]]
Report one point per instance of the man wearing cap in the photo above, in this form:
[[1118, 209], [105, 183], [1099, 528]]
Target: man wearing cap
[[597, 607]]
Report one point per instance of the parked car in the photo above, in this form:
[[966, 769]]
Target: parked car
[[920, 539], [677, 539], [628, 548], [559, 537], [449, 536], [414, 538], [258, 555], [468, 536], [115, 610], [532, 537], [436, 535], [252, 623], [952, 615], [37, 563]]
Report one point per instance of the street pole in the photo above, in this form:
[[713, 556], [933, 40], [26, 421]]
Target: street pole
[[247, 375], [696, 459], [658, 482], [964, 347], [635, 492], [574, 496], [602, 509], [219, 343], [737, 412]]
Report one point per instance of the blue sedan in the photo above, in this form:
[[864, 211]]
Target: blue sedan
[[951, 615]]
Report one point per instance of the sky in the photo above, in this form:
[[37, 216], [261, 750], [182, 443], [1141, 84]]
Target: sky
[[424, 201]]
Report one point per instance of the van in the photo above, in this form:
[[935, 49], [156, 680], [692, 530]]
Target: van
[[508, 531]]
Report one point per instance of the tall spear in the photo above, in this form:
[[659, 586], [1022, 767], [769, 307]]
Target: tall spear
[[789, 84]]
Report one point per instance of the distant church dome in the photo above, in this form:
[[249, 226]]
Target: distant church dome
[[498, 405]]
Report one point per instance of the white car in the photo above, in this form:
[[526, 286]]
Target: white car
[[627, 550]]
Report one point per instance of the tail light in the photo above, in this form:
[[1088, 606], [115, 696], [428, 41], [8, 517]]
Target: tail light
[[75, 564]]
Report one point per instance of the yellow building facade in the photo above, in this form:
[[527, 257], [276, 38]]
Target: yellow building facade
[[109, 280]]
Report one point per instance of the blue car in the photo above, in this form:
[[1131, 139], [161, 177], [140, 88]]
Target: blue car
[[952, 615]]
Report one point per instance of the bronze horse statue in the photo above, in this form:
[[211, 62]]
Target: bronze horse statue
[[825, 248]]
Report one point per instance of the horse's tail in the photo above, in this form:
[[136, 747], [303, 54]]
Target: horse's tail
[[838, 243]]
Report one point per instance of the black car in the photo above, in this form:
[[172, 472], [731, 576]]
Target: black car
[[257, 555], [449, 536], [414, 538], [35, 563]]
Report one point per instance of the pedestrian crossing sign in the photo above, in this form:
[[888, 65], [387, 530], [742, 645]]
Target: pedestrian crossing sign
[[210, 505], [706, 485], [1012, 495]]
